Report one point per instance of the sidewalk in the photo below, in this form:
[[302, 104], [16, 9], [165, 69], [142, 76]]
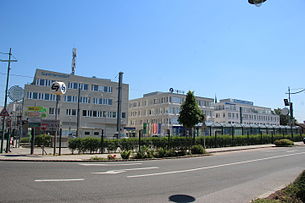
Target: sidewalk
[[23, 154]]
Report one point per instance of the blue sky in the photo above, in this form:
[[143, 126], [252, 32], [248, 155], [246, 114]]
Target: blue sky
[[228, 48]]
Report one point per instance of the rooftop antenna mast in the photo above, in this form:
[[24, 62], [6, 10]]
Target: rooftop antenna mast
[[73, 61]]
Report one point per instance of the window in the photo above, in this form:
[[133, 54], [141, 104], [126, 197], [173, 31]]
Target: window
[[47, 96], [34, 95], [94, 88], [96, 133], [86, 86], [51, 110], [123, 115], [87, 133], [84, 113]]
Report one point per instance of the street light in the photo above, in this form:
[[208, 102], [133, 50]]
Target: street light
[[290, 104], [256, 1]]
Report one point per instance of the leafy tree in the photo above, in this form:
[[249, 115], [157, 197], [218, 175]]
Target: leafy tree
[[284, 119], [190, 113]]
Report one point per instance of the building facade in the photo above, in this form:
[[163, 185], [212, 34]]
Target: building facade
[[95, 98], [158, 112], [232, 111]]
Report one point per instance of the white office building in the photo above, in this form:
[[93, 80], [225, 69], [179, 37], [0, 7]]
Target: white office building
[[232, 111], [159, 112], [96, 98]]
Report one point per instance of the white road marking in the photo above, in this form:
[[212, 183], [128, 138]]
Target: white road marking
[[59, 180], [216, 166], [113, 172], [129, 164]]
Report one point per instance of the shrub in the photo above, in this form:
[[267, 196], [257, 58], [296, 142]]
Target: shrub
[[75, 144], [25, 140], [160, 152], [111, 156], [170, 152], [112, 145], [283, 143], [145, 152], [43, 140], [90, 144], [197, 149], [125, 154]]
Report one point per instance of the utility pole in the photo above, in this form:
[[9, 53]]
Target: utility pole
[[119, 110], [5, 96], [78, 113]]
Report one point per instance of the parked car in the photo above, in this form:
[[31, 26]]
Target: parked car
[[304, 140]]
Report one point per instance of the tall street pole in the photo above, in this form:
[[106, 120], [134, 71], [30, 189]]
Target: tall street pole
[[78, 113], [5, 96], [119, 110]]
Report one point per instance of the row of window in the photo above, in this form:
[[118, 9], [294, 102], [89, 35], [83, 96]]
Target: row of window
[[248, 117], [243, 109], [75, 85], [88, 113], [68, 98], [174, 100], [41, 96]]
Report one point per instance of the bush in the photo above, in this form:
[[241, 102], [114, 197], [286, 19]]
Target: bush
[[160, 152], [43, 140], [111, 156], [170, 153], [24, 140], [283, 143], [75, 144], [197, 149], [145, 152], [125, 154], [294, 193]]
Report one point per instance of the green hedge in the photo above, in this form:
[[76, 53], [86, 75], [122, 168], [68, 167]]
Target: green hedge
[[93, 144]]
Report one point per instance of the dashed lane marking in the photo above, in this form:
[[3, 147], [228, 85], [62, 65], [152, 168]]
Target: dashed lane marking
[[119, 164], [59, 180], [113, 172]]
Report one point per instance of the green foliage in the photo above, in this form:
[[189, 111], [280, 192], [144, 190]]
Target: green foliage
[[170, 153], [283, 143], [24, 140], [145, 152], [197, 149], [125, 154], [91, 144], [266, 201], [160, 152], [127, 144], [43, 140], [190, 113], [293, 193], [112, 145], [75, 144]]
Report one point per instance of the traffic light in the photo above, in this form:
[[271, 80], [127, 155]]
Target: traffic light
[[286, 102]]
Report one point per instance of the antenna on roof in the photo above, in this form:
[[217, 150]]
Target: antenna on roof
[[73, 60]]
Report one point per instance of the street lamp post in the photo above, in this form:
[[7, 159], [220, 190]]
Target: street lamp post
[[290, 104]]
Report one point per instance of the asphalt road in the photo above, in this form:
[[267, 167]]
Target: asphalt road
[[226, 177]]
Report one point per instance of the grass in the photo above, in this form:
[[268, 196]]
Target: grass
[[293, 193]]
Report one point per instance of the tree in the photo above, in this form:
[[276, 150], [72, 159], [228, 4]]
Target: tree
[[190, 113], [284, 119]]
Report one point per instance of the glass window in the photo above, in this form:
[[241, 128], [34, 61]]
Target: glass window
[[84, 113], [87, 133], [34, 95], [51, 110], [86, 86], [109, 101]]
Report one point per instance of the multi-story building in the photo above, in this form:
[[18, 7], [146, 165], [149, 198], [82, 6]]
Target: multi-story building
[[159, 111], [243, 112], [97, 103]]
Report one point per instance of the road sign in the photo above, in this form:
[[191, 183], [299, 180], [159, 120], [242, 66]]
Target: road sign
[[4, 113], [15, 93], [58, 88]]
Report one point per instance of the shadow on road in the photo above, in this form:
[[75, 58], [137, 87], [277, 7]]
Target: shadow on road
[[181, 198]]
